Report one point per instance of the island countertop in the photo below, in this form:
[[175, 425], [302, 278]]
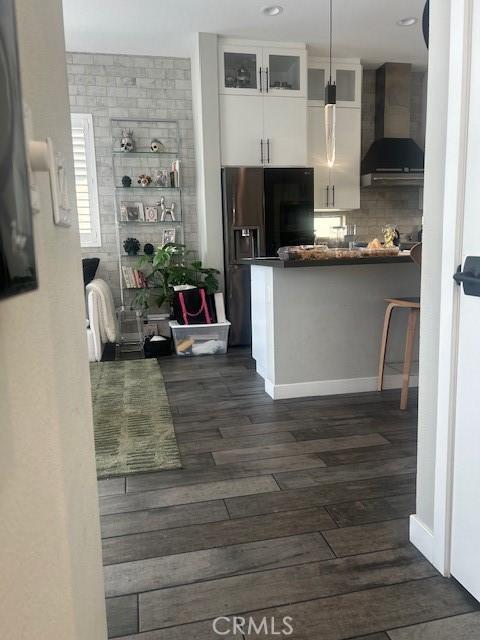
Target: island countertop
[[331, 262]]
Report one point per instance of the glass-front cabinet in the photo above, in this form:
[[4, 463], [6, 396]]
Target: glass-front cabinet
[[347, 76], [285, 71], [254, 70], [240, 69]]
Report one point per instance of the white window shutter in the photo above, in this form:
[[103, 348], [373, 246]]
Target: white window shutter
[[85, 168]]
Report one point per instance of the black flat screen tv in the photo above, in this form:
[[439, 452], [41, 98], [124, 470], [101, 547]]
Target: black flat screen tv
[[17, 256]]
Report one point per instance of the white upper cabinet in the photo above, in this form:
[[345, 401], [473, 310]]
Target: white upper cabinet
[[240, 69], [345, 173], [263, 104], [251, 68], [317, 156], [285, 132], [285, 72], [337, 187], [241, 131], [346, 75]]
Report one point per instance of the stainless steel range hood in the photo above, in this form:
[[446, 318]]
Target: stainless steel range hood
[[394, 159]]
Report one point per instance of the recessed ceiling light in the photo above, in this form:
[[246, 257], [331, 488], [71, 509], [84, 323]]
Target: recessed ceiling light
[[273, 11], [407, 22]]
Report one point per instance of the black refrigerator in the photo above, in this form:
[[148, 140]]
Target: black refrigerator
[[263, 210]]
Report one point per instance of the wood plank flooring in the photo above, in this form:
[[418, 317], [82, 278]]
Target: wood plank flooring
[[283, 508]]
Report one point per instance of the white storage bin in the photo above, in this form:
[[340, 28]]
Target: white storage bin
[[200, 339]]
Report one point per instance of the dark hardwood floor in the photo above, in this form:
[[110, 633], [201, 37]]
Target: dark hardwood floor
[[289, 508]]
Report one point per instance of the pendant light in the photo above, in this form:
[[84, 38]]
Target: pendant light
[[330, 107]]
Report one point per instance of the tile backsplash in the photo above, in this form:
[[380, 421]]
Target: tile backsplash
[[380, 206]]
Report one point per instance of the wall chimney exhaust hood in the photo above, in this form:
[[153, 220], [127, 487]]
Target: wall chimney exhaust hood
[[394, 159]]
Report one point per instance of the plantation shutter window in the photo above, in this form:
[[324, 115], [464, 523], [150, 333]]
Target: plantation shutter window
[[86, 179]]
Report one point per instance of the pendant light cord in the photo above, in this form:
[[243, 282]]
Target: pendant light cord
[[331, 23]]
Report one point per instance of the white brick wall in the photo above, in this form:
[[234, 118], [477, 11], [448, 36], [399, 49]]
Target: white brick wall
[[119, 86]]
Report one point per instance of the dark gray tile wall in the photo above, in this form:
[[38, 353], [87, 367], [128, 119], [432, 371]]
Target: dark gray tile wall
[[122, 86], [381, 206]]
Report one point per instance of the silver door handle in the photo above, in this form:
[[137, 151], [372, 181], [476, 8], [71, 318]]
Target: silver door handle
[[268, 150], [266, 76], [333, 195], [328, 195], [261, 151], [260, 79]]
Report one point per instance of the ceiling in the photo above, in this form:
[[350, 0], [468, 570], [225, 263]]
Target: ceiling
[[363, 29]]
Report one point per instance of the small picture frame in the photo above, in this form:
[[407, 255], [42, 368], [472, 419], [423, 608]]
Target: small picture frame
[[162, 178], [132, 212], [168, 236], [151, 214]]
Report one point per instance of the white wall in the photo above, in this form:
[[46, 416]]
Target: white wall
[[207, 149], [51, 586], [435, 145]]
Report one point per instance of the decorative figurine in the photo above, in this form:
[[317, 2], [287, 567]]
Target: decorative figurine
[[126, 182], [391, 236], [131, 246], [148, 249], [166, 211], [156, 146], [127, 143], [243, 77], [144, 180]]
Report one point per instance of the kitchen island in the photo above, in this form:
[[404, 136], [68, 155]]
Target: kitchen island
[[316, 325]]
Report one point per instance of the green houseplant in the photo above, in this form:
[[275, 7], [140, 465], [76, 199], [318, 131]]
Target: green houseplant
[[171, 265]]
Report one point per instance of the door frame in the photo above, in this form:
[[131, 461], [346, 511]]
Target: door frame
[[453, 209]]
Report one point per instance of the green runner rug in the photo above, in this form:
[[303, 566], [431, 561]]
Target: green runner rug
[[132, 420]]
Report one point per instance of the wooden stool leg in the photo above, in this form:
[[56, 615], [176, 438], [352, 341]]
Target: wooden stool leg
[[407, 364], [383, 347]]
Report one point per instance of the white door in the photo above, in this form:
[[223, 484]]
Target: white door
[[465, 550], [345, 174], [285, 131], [241, 130], [286, 72], [317, 156], [240, 70]]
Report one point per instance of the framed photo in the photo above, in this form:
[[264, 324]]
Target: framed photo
[[17, 255], [132, 212], [162, 178], [151, 214], [168, 236]]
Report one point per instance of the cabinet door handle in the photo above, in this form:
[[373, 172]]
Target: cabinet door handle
[[333, 195], [260, 79], [266, 76], [268, 150], [261, 151], [328, 195]]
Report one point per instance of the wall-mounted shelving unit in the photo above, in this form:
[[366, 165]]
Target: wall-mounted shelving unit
[[133, 164]]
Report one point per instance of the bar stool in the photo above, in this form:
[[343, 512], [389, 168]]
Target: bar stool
[[413, 304]]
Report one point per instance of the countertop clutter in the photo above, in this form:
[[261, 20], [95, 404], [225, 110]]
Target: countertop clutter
[[290, 257]]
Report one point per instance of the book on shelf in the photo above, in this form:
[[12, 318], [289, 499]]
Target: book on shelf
[[133, 278]]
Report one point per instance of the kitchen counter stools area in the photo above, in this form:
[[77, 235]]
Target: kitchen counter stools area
[[413, 305], [316, 324]]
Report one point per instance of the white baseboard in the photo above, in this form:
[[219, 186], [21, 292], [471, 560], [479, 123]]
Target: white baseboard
[[422, 537], [332, 387]]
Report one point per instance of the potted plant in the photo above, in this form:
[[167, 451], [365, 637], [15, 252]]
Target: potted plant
[[170, 265], [131, 246]]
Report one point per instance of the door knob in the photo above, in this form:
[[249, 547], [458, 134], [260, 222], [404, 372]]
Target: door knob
[[470, 276]]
